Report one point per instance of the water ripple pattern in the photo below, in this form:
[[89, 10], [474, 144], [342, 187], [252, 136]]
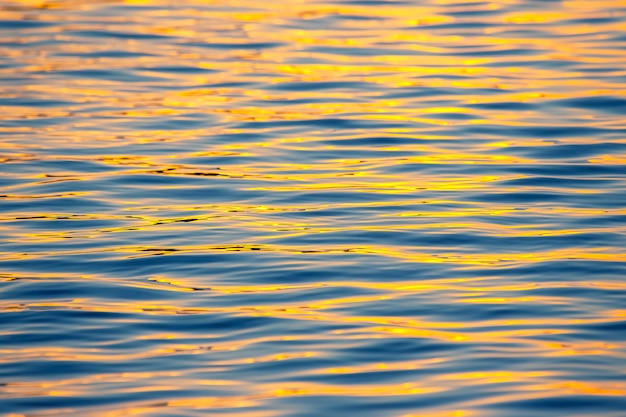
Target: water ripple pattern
[[290, 208]]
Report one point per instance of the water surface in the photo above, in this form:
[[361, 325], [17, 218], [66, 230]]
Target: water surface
[[299, 209]]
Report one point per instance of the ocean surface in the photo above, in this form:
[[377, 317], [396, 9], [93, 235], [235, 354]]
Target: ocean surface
[[290, 208]]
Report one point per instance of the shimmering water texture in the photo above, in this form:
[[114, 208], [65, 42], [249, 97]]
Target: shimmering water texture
[[301, 209]]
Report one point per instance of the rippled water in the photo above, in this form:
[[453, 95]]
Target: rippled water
[[303, 209]]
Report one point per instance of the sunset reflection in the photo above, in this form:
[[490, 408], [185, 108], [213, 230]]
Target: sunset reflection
[[296, 208]]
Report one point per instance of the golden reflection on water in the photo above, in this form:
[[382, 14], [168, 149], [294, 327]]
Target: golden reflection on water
[[273, 76]]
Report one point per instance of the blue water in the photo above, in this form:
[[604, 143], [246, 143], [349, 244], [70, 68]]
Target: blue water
[[302, 209]]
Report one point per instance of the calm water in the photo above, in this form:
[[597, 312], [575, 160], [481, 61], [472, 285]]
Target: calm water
[[304, 209]]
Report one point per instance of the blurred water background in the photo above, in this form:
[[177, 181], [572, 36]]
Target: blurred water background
[[305, 208]]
